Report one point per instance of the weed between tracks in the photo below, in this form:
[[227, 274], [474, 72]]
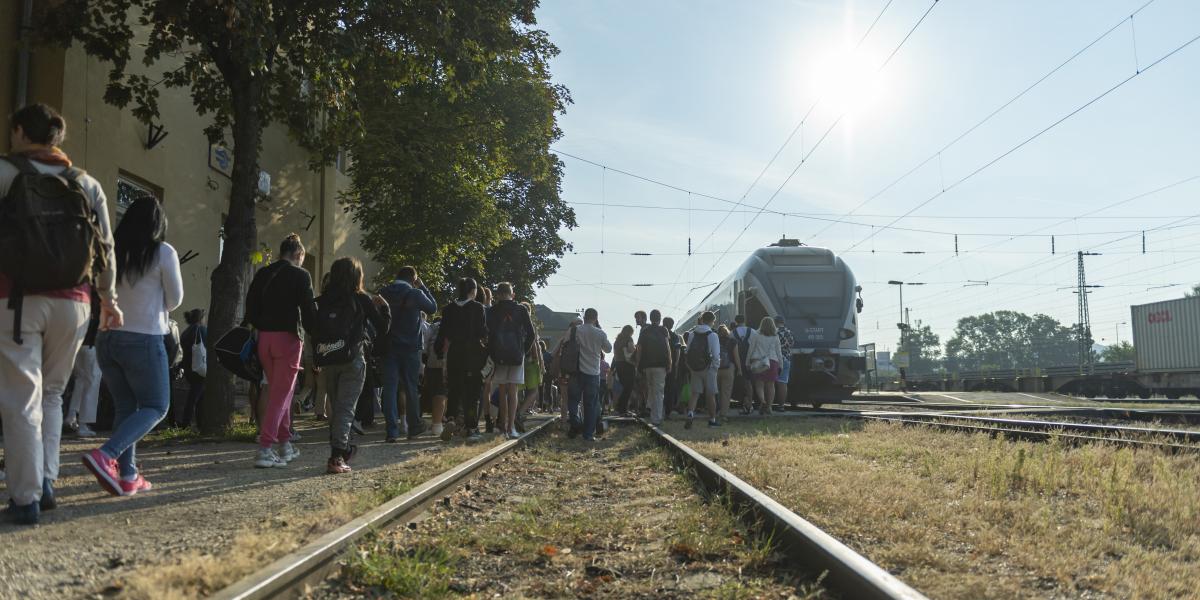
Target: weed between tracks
[[565, 519], [968, 516], [199, 574]]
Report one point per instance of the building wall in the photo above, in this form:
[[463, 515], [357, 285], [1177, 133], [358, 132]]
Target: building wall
[[109, 143]]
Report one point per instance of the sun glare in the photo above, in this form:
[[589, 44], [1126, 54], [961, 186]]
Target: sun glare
[[847, 81]]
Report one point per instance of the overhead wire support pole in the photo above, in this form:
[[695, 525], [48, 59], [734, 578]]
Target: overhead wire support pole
[[1085, 318]]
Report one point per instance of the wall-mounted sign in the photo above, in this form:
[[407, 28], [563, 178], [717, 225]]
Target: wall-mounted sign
[[220, 159]]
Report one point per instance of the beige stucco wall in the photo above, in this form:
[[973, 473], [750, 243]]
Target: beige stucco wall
[[107, 141]]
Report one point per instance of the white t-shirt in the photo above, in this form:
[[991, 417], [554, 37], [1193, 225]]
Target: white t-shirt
[[147, 301]]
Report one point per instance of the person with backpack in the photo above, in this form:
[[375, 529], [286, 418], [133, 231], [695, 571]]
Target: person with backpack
[[337, 337], [434, 385], [408, 298], [195, 362], [511, 338], [677, 372], [703, 359], [535, 373], [592, 343], [461, 340], [279, 301], [743, 386], [729, 369], [133, 357], [85, 391], [764, 360], [45, 295], [654, 362]]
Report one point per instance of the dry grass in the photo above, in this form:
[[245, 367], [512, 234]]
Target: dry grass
[[198, 574], [565, 519], [968, 516]]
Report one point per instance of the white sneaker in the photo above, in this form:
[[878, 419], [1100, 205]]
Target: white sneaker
[[267, 459], [514, 434], [288, 452], [84, 431], [437, 430]]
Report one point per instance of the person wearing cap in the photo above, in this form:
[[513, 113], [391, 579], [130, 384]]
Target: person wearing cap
[[195, 332], [786, 341]]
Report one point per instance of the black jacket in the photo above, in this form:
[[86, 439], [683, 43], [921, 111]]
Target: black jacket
[[465, 327], [280, 298]]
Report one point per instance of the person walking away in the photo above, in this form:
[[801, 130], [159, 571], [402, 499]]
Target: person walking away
[[408, 298], [85, 393], [623, 355], [511, 338], [585, 385], [337, 336], [765, 358], [743, 387], [535, 374], [786, 342], [435, 381], [675, 374], [133, 357], [605, 378], [461, 339], [196, 334], [279, 301], [703, 360], [41, 328], [654, 361], [729, 369]]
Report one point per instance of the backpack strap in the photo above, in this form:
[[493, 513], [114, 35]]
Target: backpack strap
[[21, 163]]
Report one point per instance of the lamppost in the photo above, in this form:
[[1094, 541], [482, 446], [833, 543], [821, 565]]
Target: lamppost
[[903, 328]]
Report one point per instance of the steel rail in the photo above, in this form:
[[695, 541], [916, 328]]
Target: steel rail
[[849, 572], [285, 577], [1034, 435], [1177, 434]]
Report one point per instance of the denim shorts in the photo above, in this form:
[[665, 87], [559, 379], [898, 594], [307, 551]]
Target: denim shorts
[[785, 370]]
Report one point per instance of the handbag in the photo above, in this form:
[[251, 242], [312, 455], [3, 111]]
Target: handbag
[[237, 351], [199, 355], [759, 365]]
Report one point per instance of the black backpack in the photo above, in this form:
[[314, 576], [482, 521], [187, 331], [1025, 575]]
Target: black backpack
[[50, 237], [337, 329], [743, 345], [507, 343], [568, 355], [697, 357], [655, 349]]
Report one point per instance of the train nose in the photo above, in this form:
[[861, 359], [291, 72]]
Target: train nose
[[820, 363]]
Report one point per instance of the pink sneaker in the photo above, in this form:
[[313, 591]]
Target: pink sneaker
[[139, 484], [105, 470]]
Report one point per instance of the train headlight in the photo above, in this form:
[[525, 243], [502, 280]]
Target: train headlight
[[847, 334]]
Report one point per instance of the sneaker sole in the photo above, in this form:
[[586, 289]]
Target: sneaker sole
[[109, 484]]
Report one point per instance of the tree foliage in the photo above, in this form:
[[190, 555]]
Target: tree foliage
[[1011, 340], [1120, 352], [924, 348], [1195, 291], [306, 64], [460, 181]]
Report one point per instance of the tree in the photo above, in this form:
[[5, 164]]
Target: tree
[[1011, 340], [924, 348], [1195, 291], [252, 63], [460, 182], [1120, 352]]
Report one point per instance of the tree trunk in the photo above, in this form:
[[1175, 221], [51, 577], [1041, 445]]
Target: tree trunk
[[241, 237]]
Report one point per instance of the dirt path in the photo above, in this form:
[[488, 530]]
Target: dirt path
[[204, 497], [568, 518]]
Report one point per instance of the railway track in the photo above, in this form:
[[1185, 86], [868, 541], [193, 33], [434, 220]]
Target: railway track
[[847, 573], [1035, 430]]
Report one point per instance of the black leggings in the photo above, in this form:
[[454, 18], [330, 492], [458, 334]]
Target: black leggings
[[628, 377]]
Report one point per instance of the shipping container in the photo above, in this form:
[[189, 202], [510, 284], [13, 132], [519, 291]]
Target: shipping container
[[1166, 335]]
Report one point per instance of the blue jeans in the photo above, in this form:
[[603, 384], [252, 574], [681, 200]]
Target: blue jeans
[[401, 372], [134, 366], [586, 388]]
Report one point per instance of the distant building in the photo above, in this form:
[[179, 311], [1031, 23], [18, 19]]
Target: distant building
[[554, 324]]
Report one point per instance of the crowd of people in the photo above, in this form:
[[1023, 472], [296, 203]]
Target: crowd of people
[[345, 353]]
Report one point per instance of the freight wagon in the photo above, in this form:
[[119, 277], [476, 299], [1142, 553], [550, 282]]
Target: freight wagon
[[1166, 339]]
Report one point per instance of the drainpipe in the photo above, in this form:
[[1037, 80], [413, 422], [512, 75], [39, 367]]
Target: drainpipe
[[23, 54]]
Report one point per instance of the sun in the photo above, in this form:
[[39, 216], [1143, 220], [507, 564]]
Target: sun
[[848, 81]]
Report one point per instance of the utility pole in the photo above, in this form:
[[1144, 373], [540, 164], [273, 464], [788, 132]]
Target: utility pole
[[1085, 317], [903, 326]]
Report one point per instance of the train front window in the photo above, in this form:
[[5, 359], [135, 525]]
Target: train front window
[[811, 295]]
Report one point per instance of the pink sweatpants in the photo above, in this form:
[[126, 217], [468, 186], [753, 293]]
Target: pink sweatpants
[[279, 352]]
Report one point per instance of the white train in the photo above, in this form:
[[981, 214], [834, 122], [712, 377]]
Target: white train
[[820, 301]]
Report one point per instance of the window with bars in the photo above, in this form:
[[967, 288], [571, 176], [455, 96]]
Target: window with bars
[[130, 188]]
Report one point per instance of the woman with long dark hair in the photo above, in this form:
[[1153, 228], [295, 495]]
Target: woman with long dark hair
[[132, 357], [461, 339], [622, 363], [342, 312]]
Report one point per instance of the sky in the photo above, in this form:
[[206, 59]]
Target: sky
[[701, 95]]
